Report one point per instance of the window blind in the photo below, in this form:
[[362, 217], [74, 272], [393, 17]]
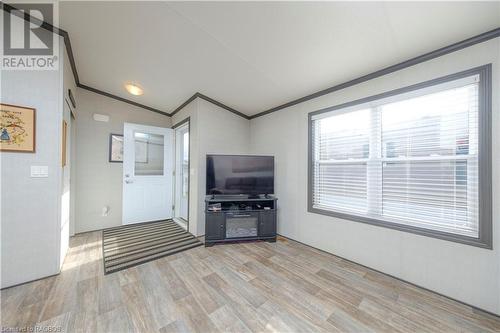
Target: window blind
[[341, 156], [410, 159]]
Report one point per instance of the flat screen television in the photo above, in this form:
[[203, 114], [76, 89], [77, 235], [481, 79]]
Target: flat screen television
[[240, 174]]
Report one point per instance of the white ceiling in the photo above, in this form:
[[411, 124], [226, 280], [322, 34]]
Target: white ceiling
[[253, 56]]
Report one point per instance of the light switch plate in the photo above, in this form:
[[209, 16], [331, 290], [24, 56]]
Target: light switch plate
[[39, 171]]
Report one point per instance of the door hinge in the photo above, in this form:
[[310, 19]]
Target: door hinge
[[173, 207]]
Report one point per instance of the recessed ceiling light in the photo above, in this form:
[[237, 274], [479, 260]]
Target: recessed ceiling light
[[134, 89]]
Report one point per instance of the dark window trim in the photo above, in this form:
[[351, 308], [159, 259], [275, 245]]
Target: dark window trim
[[484, 160]]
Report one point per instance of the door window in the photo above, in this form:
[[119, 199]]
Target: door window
[[149, 150]]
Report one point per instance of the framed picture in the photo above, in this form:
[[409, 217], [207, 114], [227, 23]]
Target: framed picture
[[64, 142], [116, 148], [17, 128]]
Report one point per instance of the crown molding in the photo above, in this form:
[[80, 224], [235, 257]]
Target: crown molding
[[180, 107], [118, 98], [391, 69], [384, 71], [219, 104], [211, 100], [67, 42]]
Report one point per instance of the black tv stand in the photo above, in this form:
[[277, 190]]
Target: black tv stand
[[238, 218]]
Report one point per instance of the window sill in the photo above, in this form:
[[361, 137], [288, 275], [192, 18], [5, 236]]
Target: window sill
[[482, 242]]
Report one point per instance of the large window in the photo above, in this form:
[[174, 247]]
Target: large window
[[416, 159]]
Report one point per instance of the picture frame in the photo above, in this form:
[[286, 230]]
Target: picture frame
[[17, 129], [115, 148]]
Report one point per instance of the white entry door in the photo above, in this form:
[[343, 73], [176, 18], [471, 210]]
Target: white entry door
[[147, 173]]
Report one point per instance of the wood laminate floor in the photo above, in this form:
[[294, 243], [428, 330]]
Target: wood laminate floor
[[251, 287]]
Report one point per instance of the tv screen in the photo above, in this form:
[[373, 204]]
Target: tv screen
[[240, 174]]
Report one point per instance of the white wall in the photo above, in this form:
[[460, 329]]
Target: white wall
[[213, 130], [69, 173], [67, 200], [463, 272], [99, 182], [219, 132], [31, 243], [65, 191]]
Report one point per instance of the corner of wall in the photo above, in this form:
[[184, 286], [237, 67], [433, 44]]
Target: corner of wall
[[31, 216]]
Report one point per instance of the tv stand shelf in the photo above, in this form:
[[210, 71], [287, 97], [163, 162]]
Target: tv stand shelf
[[238, 218]]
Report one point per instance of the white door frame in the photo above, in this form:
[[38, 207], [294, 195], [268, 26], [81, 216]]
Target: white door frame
[[72, 162], [178, 180], [146, 197]]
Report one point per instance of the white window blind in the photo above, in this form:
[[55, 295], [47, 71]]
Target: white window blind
[[409, 159]]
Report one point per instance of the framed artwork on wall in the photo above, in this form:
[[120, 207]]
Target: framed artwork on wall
[[116, 148], [17, 128]]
